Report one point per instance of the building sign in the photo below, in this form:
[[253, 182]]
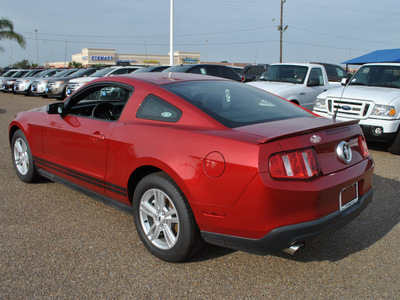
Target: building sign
[[189, 60], [151, 62], [127, 60], [84, 57], [102, 57]]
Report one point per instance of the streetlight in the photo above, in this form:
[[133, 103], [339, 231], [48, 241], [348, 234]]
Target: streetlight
[[281, 29], [171, 34], [206, 49], [37, 49]]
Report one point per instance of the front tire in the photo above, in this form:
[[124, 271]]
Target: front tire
[[394, 147], [164, 220], [22, 158]]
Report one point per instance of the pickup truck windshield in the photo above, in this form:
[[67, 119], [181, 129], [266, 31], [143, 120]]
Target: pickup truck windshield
[[383, 76], [285, 73]]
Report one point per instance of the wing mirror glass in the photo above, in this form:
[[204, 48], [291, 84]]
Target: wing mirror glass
[[55, 108]]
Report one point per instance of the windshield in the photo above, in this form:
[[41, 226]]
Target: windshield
[[64, 73], [235, 104], [181, 69], [383, 76], [81, 72], [19, 74], [102, 72], [285, 73], [254, 70], [9, 73]]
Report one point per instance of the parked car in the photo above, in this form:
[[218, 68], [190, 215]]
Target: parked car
[[335, 73], [298, 83], [207, 69], [3, 77], [198, 158], [8, 82], [23, 85], [38, 87], [8, 73], [151, 69], [57, 87], [372, 97], [76, 83], [253, 71]]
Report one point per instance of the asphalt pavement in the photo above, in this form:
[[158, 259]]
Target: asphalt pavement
[[59, 244]]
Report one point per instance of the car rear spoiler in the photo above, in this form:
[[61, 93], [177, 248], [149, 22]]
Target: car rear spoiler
[[296, 133]]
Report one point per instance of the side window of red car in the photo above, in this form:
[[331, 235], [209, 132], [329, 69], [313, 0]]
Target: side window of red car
[[155, 108], [104, 102]]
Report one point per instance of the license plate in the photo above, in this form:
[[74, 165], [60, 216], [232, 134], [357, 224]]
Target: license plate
[[348, 196]]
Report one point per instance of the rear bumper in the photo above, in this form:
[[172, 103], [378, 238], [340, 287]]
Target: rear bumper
[[283, 237]]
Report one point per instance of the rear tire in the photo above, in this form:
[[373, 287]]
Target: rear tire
[[164, 220], [394, 147], [22, 158]]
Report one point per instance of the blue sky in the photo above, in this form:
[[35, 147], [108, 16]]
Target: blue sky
[[236, 30]]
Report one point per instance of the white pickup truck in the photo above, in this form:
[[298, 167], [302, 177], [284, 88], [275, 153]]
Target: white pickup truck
[[299, 83], [372, 96]]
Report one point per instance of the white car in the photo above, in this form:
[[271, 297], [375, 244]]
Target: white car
[[298, 83], [75, 84], [371, 96]]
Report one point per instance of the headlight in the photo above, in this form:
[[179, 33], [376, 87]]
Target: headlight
[[58, 82], [320, 104], [80, 84], [384, 110]]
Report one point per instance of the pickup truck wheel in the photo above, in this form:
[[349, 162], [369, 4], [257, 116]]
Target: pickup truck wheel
[[394, 147]]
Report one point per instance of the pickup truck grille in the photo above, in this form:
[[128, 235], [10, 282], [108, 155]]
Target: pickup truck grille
[[359, 109]]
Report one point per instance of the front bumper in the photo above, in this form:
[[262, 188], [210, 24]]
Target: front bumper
[[388, 128], [283, 237]]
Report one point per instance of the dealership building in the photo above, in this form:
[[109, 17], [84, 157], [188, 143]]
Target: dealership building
[[92, 56]]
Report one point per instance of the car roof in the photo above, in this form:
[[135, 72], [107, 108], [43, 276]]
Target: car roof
[[161, 78]]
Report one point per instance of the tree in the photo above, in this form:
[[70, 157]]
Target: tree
[[7, 33], [23, 64], [74, 64]]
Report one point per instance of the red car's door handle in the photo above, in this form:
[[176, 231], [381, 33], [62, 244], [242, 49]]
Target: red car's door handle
[[98, 136]]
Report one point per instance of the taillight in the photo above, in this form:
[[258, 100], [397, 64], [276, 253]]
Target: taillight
[[299, 164], [362, 143]]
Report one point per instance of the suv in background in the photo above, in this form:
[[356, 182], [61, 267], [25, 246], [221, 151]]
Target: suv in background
[[207, 69], [76, 83], [8, 83], [57, 87], [38, 87], [335, 73], [251, 72], [23, 85], [151, 69]]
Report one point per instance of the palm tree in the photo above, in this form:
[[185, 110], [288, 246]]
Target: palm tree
[[75, 64], [7, 33]]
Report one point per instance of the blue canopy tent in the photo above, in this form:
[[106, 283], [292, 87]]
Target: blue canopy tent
[[379, 56]]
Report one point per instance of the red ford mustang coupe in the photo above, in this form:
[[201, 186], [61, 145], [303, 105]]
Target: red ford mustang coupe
[[197, 158]]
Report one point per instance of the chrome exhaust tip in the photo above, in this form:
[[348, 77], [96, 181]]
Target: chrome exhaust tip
[[293, 248]]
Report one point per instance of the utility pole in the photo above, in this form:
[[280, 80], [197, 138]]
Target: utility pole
[[65, 56], [281, 29], [171, 34], [37, 49]]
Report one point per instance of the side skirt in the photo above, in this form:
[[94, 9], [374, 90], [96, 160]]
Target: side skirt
[[106, 200]]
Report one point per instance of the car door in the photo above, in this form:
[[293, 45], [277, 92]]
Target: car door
[[313, 91], [75, 142]]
